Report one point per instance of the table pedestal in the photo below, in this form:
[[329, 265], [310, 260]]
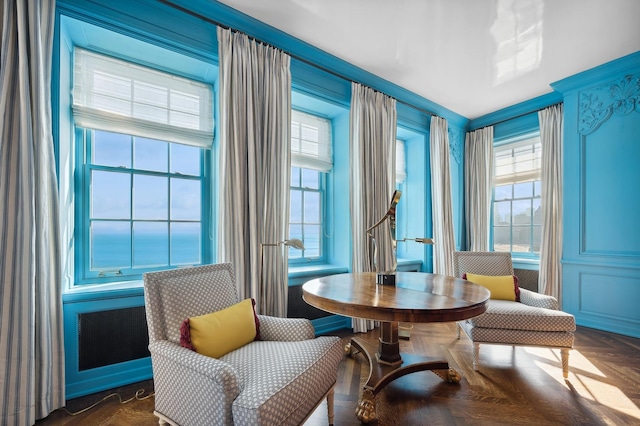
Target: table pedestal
[[387, 364]]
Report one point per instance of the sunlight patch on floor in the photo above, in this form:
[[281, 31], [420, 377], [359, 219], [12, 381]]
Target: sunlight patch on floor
[[577, 361], [607, 395], [585, 379]]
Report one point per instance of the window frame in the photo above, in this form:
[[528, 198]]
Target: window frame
[[529, 255], [83, 274], [322, 241], [325, 178]]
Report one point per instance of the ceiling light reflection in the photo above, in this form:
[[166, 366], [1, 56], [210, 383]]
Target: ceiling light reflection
[[517, 32]]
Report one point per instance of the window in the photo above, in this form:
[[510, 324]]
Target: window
[[142, 185], [311, 161], [516, 197]]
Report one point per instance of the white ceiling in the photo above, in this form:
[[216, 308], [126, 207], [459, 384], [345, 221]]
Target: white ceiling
[[470, 56]]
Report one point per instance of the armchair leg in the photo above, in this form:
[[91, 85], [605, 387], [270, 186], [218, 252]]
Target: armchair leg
[[330, 406], [476, 355], [564, 353], [458, 330]]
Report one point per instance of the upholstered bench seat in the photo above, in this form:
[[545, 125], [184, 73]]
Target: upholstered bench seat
[[503, 314], [279, 390], [558, 339]]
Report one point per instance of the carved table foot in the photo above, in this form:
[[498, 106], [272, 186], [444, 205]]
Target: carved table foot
[[366, 409], [347, 349], [450, 375]]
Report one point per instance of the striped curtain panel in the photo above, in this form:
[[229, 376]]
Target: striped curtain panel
[[31, 342], [255, 167], [551, 131], [441, 204], [373, 177], [478, 176]]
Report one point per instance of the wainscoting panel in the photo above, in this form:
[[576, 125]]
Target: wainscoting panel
[[596, 288], [609, 212], [604, 298]]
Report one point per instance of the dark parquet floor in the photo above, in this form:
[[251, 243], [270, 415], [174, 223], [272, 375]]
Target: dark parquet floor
[[514, 386]]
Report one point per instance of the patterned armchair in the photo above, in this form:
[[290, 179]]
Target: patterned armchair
[[279, 379], [535, 321]]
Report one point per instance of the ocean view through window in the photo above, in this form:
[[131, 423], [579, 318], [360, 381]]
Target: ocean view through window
[[142, 205]]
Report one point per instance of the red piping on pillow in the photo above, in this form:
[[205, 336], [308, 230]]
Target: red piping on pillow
[[185, 335], [255, 317]]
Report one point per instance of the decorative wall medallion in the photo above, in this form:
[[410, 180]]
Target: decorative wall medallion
[[455, 145], [597, 105]]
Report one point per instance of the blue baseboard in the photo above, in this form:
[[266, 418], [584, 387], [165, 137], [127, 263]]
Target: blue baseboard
[[110, 377]]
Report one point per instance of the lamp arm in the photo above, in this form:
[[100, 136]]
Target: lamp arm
[[418, 240], [377, 224], [391, 213], [375, 254]]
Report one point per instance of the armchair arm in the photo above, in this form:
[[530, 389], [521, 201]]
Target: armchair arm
[[188, 383], [538, 300], [285, 329]]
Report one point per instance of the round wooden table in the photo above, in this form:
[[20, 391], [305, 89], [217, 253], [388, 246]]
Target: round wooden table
[[416, 297]]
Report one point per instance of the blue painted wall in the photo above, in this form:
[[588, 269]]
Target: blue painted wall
[[601, 253]]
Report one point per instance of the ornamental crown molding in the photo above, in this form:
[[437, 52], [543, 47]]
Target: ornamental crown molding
[[597, 105]]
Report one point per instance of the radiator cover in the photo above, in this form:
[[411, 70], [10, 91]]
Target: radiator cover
[[111, 337]]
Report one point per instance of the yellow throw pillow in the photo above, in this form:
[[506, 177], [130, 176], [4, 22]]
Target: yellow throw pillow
[[501, 287], [221, 332]]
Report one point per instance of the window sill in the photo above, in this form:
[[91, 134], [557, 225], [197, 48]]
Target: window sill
[[409, 264], [524, 263], [89, 292], [300, 274]]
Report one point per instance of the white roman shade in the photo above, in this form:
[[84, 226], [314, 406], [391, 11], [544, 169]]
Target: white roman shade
[[119, 96], [310, 142], [401, 164], [518, 162]]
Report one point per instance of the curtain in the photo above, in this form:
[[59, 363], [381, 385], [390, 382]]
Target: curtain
[[551, 128], [478, 164], [444, 243], [31, 341], [255, 140], [372, 153]]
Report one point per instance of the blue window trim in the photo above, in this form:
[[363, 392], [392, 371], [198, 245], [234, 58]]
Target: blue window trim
[[83, 276], [312, 103], [74, 27], [512, 131]]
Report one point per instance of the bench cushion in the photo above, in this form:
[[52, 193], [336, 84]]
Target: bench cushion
[[560, 339], [502, 314]]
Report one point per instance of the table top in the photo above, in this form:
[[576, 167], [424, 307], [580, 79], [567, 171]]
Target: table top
[[416, 297]]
